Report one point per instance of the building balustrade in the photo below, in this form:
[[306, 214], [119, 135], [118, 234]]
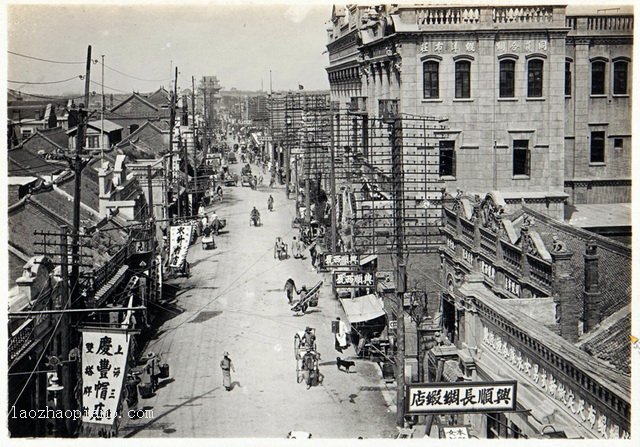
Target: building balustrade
[[448, 16], [578, 25], [104, 273], [552, 358], [523, 14]]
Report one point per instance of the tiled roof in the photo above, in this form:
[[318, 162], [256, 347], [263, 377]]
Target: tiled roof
[[89, 187], [609, 341], [132, 103], [61, 205], [23, 222], [25, 162], [160, 97], [15, 268]]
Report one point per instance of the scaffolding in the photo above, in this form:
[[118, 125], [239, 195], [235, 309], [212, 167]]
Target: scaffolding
[[383, 165]]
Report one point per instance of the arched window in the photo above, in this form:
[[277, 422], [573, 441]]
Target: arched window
[[620, 77], [431, 87], [463, 79], [597, 77], [507, 78], [534, 78]]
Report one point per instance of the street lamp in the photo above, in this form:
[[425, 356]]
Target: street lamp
[[55, 388]]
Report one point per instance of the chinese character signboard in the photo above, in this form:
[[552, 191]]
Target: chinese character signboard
[[455, 432], [104, 363], [463, 397], [341, 260], [353, 279], [179, 244]]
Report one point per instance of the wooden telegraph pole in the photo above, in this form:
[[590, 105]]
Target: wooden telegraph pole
[[76, 299]]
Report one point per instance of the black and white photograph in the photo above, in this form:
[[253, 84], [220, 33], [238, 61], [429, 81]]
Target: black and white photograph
[[257, 221]]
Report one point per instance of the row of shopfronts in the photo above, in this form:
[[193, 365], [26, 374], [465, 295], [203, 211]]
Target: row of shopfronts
[[519, 302]]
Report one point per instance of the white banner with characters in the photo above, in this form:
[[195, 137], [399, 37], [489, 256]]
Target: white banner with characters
[[179, 244], [104, 367]]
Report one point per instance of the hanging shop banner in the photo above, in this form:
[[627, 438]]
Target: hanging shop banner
[[463, 397], [353, 279], [104, 364], [341, 260], [179, 244]]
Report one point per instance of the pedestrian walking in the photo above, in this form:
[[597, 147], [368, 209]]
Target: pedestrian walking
[[342, 334], [227, 367], [153, 369]]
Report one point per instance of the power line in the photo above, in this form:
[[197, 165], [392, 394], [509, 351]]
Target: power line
[[135, 77], [43, 83], [60, 98], [44, 60], [111, 88]]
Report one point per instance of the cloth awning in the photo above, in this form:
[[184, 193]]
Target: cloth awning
[[368, 259], [362, 308]]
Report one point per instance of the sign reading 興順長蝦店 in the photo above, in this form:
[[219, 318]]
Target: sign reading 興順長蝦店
[[464, 397], [104, 367], [179, 244]]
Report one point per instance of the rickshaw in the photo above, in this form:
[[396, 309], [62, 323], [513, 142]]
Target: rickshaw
[[300, 344], [254, 219], [280, 249], [307, 367], [208, 242], [310, 299]]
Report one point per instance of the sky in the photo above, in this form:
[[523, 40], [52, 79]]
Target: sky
[[238, 43]]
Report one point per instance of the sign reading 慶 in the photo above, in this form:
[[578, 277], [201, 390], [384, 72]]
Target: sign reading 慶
[[104, 367], [462, 397], [179, 244], [341, 260], [353, 279]]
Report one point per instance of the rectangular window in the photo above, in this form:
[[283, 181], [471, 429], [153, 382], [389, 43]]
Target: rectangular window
[[618, 143], [93, 141], [597, 147], [26, 134], [620, 78], [447, 158], [534, 79], [431, 82], [597, 77], [463, 79], [521, 157], [567, 79], [507, 79]]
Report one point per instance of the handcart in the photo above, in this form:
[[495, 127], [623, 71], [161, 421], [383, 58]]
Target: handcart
[[310, 299]]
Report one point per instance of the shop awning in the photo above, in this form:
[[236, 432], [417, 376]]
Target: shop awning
[[362, 308], [368, 259]]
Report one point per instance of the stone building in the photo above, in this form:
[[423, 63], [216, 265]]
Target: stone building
[[530, 299], [538, 98]]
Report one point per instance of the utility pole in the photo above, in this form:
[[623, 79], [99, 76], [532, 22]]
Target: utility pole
[[152, 242], [333, 182], [188, 211], [172, 120], [395, 127], [193, 115], [76, 300], [102, 118], [63, 349]]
